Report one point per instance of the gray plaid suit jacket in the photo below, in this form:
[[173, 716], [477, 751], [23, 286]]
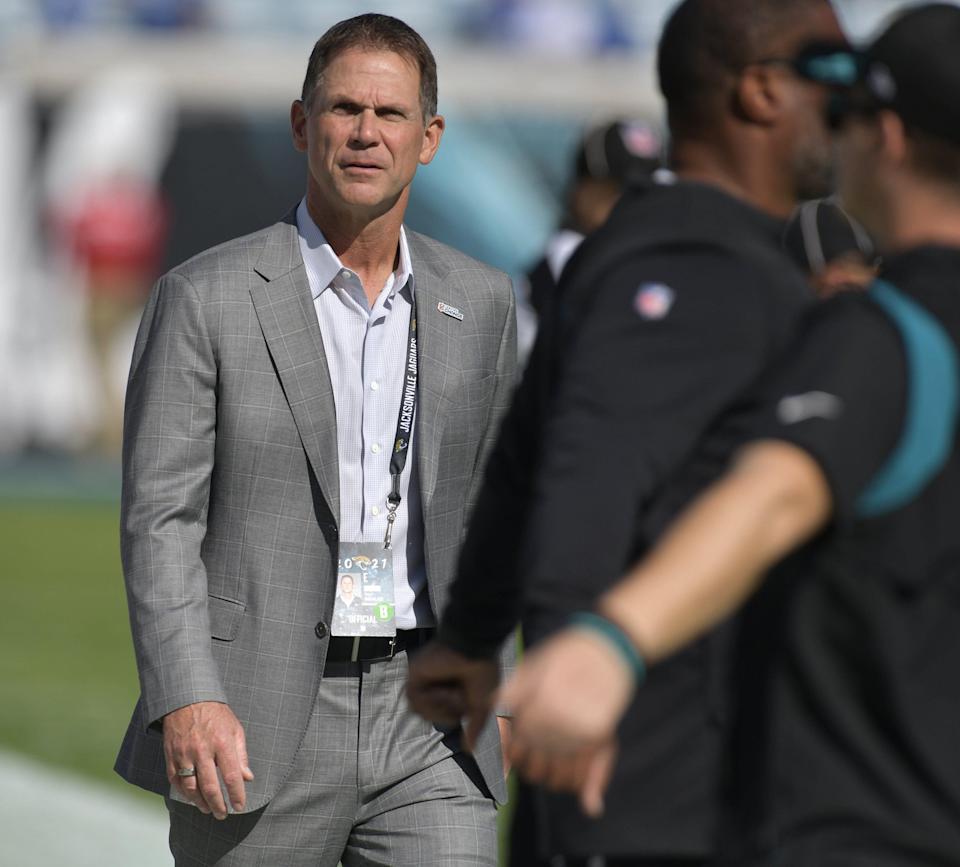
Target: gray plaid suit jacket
[[230, 499]]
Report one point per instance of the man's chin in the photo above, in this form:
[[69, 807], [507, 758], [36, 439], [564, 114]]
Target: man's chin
[[367, 194], [815, 176]]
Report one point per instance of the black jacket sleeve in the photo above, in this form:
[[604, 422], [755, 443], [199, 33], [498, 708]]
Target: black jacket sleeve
[[485, 597]]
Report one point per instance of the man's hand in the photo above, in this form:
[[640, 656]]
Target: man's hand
[[207, 736], [446, 687], [585, 772], [567, 698]]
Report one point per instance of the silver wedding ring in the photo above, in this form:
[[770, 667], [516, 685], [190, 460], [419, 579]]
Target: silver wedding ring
[[186, 772]]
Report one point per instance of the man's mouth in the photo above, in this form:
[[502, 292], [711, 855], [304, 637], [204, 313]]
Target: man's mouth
[[361, 167]]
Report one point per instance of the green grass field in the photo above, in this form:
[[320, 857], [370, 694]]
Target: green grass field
[[67, 676]]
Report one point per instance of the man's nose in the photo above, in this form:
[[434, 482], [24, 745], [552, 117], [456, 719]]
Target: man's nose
[[366, 131]]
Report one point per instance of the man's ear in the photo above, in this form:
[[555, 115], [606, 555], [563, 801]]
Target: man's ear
[[893, 137], [298, 125], [431, 138], [758, 94]]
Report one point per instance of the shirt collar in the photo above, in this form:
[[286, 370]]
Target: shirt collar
[[323, 265]]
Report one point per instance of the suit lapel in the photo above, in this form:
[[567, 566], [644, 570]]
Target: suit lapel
[[437, 339], [288, 320]]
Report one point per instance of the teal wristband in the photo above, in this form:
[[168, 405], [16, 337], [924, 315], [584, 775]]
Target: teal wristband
[[616, 637]]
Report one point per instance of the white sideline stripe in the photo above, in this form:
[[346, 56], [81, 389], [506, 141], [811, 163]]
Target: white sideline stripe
[[52, 818]]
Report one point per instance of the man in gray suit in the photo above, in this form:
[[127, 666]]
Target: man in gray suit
[[278, 385]]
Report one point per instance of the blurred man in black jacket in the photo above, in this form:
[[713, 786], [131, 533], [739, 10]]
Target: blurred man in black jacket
[[664, 318], [846, 750]]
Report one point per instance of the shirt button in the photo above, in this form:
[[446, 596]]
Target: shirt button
[[375, 511], [375, 448], [320, 630], [374, 386]]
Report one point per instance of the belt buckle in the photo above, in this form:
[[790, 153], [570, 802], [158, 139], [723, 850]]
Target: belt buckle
[[393, 646]]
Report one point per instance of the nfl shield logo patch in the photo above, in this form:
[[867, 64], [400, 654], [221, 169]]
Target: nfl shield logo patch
[[641, 140], [653, 300]]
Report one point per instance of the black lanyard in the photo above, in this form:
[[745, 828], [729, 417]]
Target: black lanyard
[[408, 406]]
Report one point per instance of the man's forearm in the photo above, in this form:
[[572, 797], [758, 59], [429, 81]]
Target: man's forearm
[[773, 499]]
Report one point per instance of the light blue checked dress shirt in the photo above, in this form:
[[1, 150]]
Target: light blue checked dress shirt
[[366, 351]]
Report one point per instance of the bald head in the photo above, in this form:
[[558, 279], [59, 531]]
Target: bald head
[[707, 42]]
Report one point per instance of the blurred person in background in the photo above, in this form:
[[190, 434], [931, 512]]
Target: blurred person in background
[[610, 158], [107, 219], [665, 316], [831, 246], [32, 414], [82, 226], [314, 398], [846, 750], [114, 236]]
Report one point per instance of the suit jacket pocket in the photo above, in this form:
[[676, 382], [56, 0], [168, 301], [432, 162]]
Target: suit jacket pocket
[[225, 617]]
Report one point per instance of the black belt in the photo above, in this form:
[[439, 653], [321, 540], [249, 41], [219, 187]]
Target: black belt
[[345, 648]]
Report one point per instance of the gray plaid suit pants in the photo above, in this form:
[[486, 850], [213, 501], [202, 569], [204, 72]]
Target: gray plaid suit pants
[[372, 785]]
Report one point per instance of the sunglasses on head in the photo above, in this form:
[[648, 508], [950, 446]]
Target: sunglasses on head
[[833, 64]]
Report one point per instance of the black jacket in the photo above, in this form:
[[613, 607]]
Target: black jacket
[[663, 320]]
